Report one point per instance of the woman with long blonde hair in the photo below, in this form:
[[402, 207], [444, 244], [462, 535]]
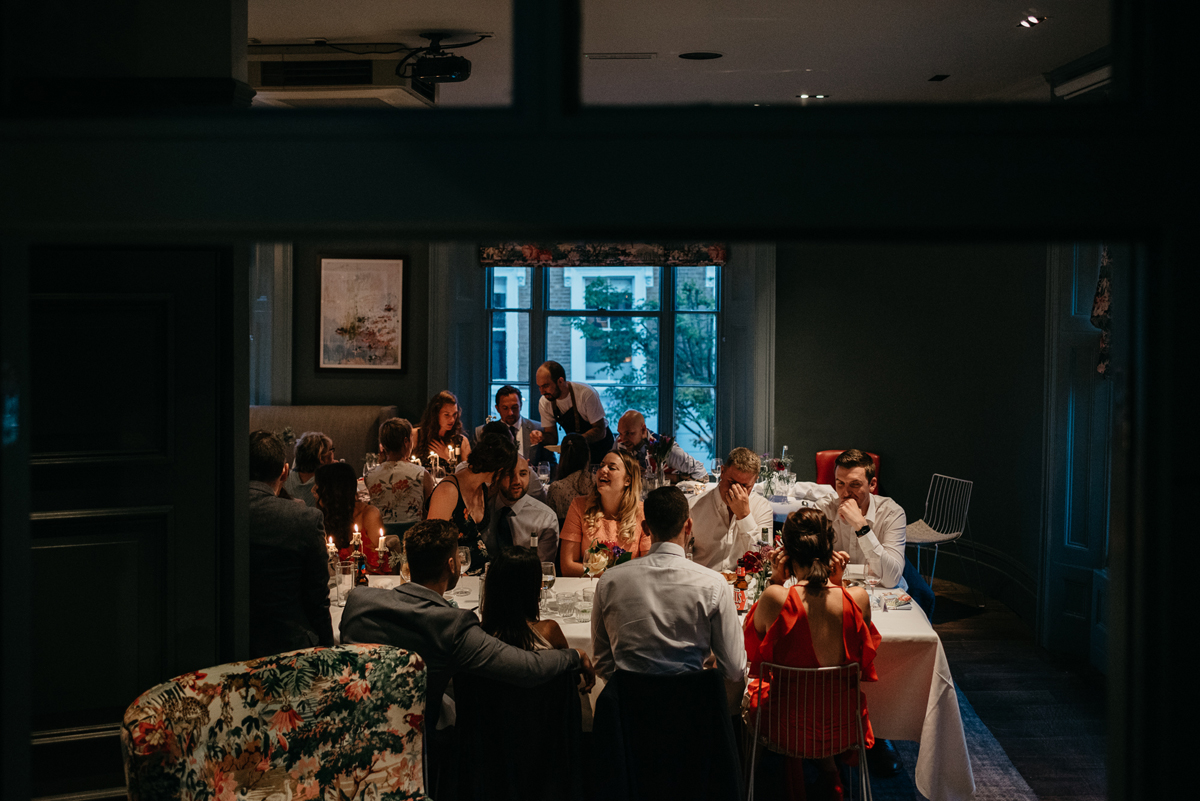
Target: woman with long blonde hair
[[610, 514]]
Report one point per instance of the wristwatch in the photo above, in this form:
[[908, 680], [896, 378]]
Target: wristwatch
[[862, 531]]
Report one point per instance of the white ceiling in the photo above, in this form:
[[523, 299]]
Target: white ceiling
[[773, 50]]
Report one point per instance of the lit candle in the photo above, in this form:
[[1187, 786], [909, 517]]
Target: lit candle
[[381, 547], [332, 549]]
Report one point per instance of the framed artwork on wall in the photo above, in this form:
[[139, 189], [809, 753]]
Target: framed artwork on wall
[[361, 324]]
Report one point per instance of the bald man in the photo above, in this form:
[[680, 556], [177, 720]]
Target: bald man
[[634, 437]]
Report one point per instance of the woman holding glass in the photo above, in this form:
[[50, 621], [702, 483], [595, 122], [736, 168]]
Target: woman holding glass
[[335, 487], [510, 604], [441, 431], [462, 497], [574, 476], [611, 514], [815, 623]]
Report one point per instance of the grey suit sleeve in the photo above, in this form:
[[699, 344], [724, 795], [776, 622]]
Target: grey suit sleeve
[[479, 653], [315, 580]]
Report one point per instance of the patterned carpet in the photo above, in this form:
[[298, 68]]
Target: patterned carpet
[[995, 777]]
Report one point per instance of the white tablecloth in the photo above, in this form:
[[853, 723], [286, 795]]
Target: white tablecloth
[[914, 698]]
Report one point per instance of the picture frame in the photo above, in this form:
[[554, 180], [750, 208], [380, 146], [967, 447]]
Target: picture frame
[[361, 314]]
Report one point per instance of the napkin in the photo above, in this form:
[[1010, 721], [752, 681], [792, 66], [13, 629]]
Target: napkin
[[812, 491], [692, 487]]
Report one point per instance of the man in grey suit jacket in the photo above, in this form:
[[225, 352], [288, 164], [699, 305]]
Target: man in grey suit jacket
[[289, 565], [509, 401], [415, 616]]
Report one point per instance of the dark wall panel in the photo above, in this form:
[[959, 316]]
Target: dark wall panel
[[406, 389], [932, 357]]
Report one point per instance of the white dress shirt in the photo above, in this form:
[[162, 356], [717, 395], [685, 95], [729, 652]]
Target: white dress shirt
[[529, 515], [882, 548], [589, 406], [720, 538], [662, 614]]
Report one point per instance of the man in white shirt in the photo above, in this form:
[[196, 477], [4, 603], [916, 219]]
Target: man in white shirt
[[725, 523], [575, 407], [634, 437], [662, 614], [869, 527], [515, 517]]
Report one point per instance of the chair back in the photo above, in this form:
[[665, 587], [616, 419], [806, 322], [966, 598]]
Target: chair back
[[344, 721], [645, 722], [809, 712], [946, 504], [827, 467], [518, 744]]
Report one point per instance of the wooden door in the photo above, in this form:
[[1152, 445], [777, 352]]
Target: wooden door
[[131, 502], [1078, 454]]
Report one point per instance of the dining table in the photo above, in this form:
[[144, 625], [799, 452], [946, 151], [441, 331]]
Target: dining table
[[914, 698]]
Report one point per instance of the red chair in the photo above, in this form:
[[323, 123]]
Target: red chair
[[826, 467]]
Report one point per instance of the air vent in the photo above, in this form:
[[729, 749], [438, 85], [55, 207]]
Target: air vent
[[939, 77], [316, 73]]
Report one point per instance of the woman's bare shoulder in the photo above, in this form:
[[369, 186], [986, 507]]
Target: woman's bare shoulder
[[552, 632]]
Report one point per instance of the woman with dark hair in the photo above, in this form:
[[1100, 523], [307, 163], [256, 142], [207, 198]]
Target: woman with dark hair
[[510, 603], [610, 515], [462, 497], [335, 487], [440, 430], [574, 476], [815, 623]]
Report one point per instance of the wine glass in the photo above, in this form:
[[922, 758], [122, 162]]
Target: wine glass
[[464, 561], [548, 577], [871, 579], [543, 472], [717, 464]]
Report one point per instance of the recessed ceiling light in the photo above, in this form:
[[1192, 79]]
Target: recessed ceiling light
[[1030, 21], [813, 97], [700, 55]]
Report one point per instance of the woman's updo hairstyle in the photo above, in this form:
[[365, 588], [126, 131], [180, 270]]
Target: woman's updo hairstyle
[[808, 542]]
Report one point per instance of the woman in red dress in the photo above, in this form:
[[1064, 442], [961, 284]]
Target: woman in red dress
[[815, 623], [335, 488]]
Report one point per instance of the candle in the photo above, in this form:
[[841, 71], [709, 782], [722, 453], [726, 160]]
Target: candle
[[332, 549], [381, 547]]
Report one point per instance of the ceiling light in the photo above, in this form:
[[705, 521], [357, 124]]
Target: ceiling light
[[1030, 21], [700, 55]]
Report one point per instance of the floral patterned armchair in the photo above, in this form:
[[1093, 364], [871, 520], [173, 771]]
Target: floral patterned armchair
[[337, 723]]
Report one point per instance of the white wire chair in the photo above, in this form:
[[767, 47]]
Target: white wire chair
[[945, 517], [810, 713]]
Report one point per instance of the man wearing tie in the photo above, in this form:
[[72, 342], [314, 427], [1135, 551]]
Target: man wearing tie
[[516, 518], [508, 405]]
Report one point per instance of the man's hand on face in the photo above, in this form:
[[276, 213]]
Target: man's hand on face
[[848, 510], [587, 676], [738, 500]]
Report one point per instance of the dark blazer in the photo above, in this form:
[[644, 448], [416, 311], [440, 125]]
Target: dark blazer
[[534, 453], [450, 640], [289, 575]]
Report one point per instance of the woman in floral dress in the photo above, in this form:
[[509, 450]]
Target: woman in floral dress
[[611, 514], [398, 488]]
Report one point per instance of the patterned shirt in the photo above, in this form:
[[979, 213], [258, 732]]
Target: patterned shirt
[[396, 490]]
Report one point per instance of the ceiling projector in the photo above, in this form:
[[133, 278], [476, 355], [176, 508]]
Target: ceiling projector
[[441, 68]]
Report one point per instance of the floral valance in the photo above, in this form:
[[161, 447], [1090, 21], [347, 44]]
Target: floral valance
[[573, 254]]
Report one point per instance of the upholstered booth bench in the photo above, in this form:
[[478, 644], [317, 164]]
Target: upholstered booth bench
[[354, 429]]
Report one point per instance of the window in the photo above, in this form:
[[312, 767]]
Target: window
[[620, 329]]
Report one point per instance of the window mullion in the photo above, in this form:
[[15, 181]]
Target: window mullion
[[666, 351]]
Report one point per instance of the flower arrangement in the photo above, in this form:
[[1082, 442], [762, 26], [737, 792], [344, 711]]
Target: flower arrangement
[[757, 564], [661, 448], [771, 470], [603, 555]]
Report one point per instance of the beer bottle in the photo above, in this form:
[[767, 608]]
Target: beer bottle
[[739, 589], [359, 559]]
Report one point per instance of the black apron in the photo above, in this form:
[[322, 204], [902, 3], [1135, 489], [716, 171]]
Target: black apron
[[573, 422]]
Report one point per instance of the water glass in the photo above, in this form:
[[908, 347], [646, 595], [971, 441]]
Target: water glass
[[583, 609], [345, 581], [566, 606], [543, 472]]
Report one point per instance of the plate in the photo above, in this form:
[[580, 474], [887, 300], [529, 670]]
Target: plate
[[553, 448]]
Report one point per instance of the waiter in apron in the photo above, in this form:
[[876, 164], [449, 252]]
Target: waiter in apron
[[573, 406]]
